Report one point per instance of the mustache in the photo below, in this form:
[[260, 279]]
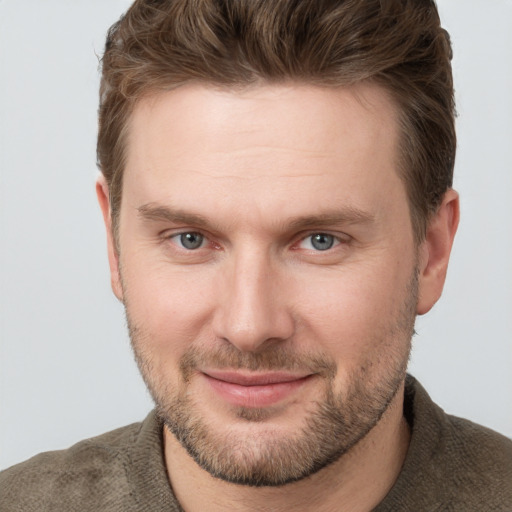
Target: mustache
[[274, 358]]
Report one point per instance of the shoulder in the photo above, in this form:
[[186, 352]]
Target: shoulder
[[478, 463], [60, 480], [452, 464], [469, 465], [474, 453], [475, 443]]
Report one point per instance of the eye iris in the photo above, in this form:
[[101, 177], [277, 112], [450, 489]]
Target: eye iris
[[322, 242], [191, 240]]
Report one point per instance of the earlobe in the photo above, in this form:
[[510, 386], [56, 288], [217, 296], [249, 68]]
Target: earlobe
[[102, 192], [434, 252]]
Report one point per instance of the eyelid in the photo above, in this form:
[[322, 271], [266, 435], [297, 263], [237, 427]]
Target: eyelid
[[174, 232], [336, 242], [171, 235], [178, 236], [341, 238]]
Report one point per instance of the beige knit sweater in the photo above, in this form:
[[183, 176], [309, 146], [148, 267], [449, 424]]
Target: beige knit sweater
[[452, 465]]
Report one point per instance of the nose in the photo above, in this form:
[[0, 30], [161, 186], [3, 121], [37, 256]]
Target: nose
[[252, 309]]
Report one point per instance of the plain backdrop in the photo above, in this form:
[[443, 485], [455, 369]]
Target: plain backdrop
[[66, 369]]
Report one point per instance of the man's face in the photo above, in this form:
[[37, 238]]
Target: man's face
[[268, 270]]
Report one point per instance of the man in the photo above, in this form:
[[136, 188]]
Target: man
[[276, 187]]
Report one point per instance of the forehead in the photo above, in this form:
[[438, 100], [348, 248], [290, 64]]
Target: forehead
[[279, 143], [322, 118]]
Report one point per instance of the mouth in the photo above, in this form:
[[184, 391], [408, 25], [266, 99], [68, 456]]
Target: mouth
[[254, 390]]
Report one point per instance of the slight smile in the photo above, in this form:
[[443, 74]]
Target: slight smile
[[254, 390]]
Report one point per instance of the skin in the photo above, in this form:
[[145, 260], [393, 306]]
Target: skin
[[257, 172]]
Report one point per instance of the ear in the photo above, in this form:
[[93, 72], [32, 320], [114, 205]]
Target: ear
[[102, 192], [434, 251]]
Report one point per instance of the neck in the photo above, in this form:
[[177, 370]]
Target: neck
[[359, 480]]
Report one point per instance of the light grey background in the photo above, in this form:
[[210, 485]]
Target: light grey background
[[66, 370]]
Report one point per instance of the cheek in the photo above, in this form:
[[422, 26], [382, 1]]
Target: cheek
[[350, 312], [171, 307]]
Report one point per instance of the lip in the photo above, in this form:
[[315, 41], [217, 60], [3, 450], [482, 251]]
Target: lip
[[255, 390]]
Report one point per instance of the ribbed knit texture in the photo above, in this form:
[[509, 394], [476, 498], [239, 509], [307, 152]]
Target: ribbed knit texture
[[452, 465]]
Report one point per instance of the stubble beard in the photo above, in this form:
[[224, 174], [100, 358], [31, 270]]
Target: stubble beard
[[334, 424]]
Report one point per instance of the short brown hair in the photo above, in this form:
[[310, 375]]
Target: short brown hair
[[398, 44]]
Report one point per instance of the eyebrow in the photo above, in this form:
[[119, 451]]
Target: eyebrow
[[345, 215], [156, 212]]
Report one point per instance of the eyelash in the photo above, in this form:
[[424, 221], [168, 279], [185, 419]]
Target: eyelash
[[333, 238], [178, 236], [336, 240]]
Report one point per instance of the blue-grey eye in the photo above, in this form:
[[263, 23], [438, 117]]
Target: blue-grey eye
[[322, 241], [191, 241]]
